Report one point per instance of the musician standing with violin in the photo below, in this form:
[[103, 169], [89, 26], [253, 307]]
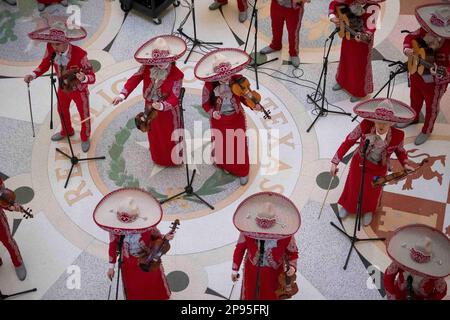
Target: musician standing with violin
[[420, 263], [432, 84], [132, 214], [161, 90], [380, 139], [67, 57], [8, 241], [219, 69], [354, 73], [267, 223]]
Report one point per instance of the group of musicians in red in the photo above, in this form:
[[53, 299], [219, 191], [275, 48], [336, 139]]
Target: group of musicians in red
[[267, 221]]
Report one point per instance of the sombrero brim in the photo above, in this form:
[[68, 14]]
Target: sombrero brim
[[105, 212], [402, 112], [287, 214], [410, 235], [204, 70], [177, 47], [423, 16], [70, 35]]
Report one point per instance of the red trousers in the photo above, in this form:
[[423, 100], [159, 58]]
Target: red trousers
[[8, 241], [81, 99], [242, 4], [431, 93], [293, 18], [230, 148]]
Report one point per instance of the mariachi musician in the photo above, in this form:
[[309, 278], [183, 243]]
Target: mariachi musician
[[8, 241], [420, 263], [380, 139], [43, 3], [161, 90], [354, 73], [67, 57], [130, 216], [430, 86], [267, 223], [219, 69]]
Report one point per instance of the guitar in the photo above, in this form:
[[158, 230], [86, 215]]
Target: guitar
[[422, 60], [287, 285], [151, 260], [8, 198], [346, 29]]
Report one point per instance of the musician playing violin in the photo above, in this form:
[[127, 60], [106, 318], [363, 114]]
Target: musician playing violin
[[430, 87], [8, 241], [377, 130], [354, 73], [219, 69], [65, 56]]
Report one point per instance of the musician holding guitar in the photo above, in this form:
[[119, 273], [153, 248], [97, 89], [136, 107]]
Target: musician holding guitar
[[64, 56], [6, 237], [428, 50], [359, 18], [161, 90], [131, 216]]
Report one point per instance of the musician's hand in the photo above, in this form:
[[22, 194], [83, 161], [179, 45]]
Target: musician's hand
[[28, 78], [14, 207], [170, 236], [334, 169], [117, 100], [408, 52], [216, 115], [408, 167], [258, 107], [81, 76], [358, 37], [291, 271], [157, 106], [110, 273], [234, 276], [336, 21]]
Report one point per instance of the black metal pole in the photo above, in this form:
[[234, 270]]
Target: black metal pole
[[258, 271], [119, 264], [6, 296]]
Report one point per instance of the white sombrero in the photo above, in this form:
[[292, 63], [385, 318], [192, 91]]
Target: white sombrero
[[220, 64], [421, 250], [435, 18], [128, 211], [59, 32], [161, 49], [385, 110], [267, 215]]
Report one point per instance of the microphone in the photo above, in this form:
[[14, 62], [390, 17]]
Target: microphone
[[334, 32], [261, 248], [366, 145], [53, 56], [405, 31], [182, 91]]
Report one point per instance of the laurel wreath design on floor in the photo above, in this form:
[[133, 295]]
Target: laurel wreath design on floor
[[117, 172]]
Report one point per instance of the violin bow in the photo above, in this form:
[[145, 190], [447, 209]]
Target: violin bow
[[31, 111], [232, 288]]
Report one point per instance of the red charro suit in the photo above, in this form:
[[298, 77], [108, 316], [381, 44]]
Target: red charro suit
[[276, 252], [139, 285], [354, 72], [77, 57], [292, 13], [6, 237], [229, 152], [428, 88], [377, 160], [163, 147], [424, 288]]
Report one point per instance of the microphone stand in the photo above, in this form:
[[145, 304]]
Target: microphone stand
[[323, 75], [119, 264], [52, 84], [73, 159], [189, 189], [353, 238], [258, 272]]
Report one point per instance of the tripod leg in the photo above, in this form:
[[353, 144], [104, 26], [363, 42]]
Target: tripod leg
[[202, 200], [192, 178], [68, 177], [172, 197], [349, 254], [96, 158], [59, 150]]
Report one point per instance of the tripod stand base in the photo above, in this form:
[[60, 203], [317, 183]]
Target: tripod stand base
[[6, 296], [196, 43], [353, 239], [322, 111]]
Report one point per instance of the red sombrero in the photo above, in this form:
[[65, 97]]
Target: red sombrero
[[59, 32], [385, 110], [435, 18], [127, 211], [161, 49]]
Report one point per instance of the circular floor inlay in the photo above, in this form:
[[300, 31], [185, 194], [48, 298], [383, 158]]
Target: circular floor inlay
[[178, 281], [24, 195], [96, 65], [323, 181]]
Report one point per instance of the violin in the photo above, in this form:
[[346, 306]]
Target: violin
[[143, 120], [151, 260], [349, 25], [395, 176], [8, 198], [241, 88], [287, 285], [423, 59], [68, 80]]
